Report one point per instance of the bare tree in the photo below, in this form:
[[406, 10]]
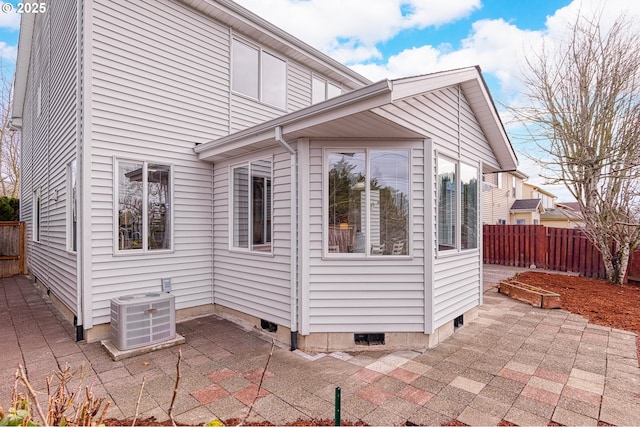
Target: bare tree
[[9, 142], [584, 112]]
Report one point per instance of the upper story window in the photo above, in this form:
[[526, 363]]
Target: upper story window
[[258, 74], [322, 90], [144, 215]]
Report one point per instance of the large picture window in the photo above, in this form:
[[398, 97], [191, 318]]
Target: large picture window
[[251, 202], [458, 205], [144, 206], [368, 202], [258, 74]]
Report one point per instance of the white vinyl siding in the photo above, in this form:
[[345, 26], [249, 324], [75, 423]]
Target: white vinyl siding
[[360, 295], [457, 278], [254, 283], [446, 116], [160, 84], [48, 145]]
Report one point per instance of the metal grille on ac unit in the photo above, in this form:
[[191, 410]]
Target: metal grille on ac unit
[[142, 319]]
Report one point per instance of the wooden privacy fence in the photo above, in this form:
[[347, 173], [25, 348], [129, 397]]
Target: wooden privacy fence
[[12, 248], [560, 249]]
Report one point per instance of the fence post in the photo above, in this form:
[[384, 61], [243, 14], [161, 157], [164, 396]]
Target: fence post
[[540, 237], [22, 254]]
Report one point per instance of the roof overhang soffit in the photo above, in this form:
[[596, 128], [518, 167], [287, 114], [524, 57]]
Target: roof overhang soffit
[[27, 21], [300, 123]]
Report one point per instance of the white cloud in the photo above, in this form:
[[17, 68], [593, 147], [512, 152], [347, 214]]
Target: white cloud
[[9, 20], [349, 30], [8, 52], [352, 31]]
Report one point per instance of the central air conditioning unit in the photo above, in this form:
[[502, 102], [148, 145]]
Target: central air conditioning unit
[[142, 319]]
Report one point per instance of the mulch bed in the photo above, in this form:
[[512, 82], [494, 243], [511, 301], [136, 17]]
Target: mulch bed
[[603, 303]]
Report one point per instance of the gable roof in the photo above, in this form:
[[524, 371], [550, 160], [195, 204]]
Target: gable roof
[[558, 214], [527, 205], [382, 109], [539, 189], [572, 206]]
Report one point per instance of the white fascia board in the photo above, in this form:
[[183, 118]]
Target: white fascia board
[[378, 93], [27, 21]]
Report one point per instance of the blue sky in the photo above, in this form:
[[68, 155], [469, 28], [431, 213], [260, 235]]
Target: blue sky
[[398, 38]]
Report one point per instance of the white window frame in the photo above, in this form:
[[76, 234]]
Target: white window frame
[[325, 203], [39, 99], [72, 206], [250, 245], [36, 214], [326, 83], [458, 220], [145, 216], [260, 72]]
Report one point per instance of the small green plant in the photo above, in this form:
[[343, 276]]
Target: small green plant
[[66, 408], [18, 414]]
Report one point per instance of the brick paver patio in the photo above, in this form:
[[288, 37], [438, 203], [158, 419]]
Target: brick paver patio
[[515, 363]]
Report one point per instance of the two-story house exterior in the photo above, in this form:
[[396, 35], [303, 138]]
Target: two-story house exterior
[[191, 140]]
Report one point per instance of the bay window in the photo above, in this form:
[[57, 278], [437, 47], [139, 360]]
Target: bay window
[[368, 202], [144, 206], [251, 205], [457, 205]]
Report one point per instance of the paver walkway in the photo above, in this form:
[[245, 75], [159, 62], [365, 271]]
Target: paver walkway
[[514, 363]]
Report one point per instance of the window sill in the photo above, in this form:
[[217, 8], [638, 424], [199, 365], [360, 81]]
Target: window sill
[[363, 257], [259, 101], [455, 252], [140, 252], [265, 254]]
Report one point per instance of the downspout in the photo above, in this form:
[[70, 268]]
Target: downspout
[[80, 180], [294, 237]]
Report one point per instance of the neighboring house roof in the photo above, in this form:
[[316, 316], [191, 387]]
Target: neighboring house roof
[[540, 190], [572, 206], [569, 210], [519, 174], [558, 215], [382, 109], [527, 205]]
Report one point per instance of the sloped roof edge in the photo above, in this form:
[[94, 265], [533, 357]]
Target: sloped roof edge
[[527, 205], [27, 21], [239, 18], [396, 89]]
